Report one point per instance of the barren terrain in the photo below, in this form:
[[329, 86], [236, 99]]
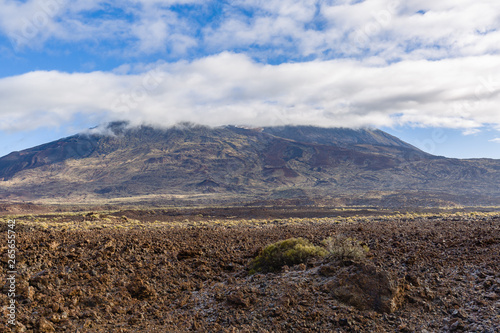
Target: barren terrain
[[187, 271]]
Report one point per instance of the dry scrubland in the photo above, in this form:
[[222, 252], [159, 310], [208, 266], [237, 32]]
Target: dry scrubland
[[154, 271]]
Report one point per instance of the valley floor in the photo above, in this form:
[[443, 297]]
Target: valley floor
[[187, 271]]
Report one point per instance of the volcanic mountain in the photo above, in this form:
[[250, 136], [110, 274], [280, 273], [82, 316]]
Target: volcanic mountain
[[196, 164]]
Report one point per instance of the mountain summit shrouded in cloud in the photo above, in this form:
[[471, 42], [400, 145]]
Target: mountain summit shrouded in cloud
[[259, 63], [229, 164]]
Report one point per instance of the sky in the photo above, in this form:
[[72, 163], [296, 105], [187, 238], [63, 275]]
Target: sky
[[425, 71]]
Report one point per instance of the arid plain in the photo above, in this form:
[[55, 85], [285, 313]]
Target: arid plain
[[187, 270]]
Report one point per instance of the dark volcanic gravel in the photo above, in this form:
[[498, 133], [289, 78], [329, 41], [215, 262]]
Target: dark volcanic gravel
[[195, 279]]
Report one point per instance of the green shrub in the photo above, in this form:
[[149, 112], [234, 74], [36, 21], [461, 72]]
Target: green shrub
[[288, 252], [345, 248]]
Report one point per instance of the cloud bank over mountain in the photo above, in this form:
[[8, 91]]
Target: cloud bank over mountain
[[328, 63], [233, 89]]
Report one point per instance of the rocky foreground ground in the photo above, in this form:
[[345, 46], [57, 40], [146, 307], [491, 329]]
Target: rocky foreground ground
[[150, 272]]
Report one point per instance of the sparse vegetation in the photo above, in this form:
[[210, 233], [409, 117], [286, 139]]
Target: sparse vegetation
[[288, 252], [342, 248], [295, 251]]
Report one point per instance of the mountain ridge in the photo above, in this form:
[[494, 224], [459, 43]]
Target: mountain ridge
[[316, 165]]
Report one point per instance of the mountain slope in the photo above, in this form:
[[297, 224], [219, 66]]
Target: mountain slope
[[240, 164], [340, 137]]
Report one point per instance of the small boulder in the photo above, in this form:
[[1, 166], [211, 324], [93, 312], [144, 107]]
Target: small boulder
[[45, 326], [140, 289], [363, 286], [238, 299]]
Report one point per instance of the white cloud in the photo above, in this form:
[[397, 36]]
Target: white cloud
[[232, 89], [389, 28], [497, 140], [151, 34], [31, 21], [146, 25], [471, 131]]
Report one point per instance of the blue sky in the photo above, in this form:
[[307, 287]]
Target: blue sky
[[425, 71]]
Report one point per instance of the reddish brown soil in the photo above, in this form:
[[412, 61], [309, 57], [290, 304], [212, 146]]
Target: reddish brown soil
[[195, 279]]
